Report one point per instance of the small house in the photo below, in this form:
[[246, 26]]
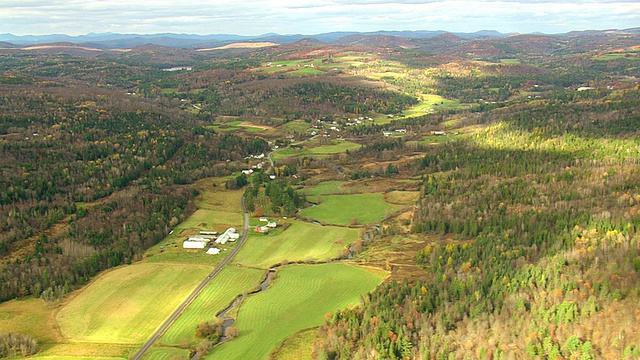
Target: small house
[[272, 224], [264, 219]]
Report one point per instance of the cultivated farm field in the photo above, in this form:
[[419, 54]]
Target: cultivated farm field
[[299, 298], [347, 209], [102, 313], [299, 242], [231, 281]]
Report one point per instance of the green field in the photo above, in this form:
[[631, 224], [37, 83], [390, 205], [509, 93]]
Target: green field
[[231, 281], [336, 147], [297, 347], [127, 304], [326, 188], [313, 148], [166, 354], [299, 298], [300, 242], [344, 209]]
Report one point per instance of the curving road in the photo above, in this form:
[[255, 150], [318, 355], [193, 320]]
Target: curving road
[[158, 333]]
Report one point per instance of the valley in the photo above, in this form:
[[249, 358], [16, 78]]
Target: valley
[[445, 197]]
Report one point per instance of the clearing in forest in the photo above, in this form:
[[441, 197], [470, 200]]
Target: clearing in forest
[[350, 209]]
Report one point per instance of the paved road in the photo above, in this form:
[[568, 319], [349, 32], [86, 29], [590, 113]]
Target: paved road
[[147, 345]]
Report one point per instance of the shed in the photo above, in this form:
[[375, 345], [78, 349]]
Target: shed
[[213, 251]]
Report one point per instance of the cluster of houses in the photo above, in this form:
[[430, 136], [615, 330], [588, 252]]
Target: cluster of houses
[[396, 131], [264, 229], [205, 237]]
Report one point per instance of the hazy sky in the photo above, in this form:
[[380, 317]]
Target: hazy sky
[[252, 17]]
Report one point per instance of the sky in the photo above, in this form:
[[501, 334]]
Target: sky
[[252, 17]]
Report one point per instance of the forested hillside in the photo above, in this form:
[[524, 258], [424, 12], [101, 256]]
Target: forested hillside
[[544, 205]]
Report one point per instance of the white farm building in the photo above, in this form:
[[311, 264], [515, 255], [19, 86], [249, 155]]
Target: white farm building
[[194, 244], [229, 235]]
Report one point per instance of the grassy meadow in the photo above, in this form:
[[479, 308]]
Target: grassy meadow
[[163, 353], [299, 242], [127, 304], [231, 281], [299, 298], [314, 148], [347, 209]]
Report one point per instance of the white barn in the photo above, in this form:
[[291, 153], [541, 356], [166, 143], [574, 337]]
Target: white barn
[[194, 244]]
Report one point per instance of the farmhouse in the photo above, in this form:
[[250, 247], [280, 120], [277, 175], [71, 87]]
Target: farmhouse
[[193, 244], [272, 224], [262, 229], [264, 219], [438, 132]]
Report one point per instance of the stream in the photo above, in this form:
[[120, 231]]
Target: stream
[[228, 321]]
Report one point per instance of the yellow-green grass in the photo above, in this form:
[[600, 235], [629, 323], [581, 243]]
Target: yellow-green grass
[[163, 353], [336, 147], [402, 197], [313, 148], [305, 72], [299, 242], [63, 357], [350, 209], [81, 350], [127, 304], [33, 317], [296, 126], [218, 294], [326, 188], [510, 61], [297, 347], [299, 298]]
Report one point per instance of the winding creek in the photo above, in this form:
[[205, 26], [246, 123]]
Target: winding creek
[[228, 321]]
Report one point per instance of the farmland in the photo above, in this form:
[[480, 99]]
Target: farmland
[[299, 242], [358, 208], [231, 282], [100, 313], [298, 299], [315, 148]]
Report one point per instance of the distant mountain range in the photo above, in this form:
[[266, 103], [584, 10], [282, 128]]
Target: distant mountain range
[[114, 41]]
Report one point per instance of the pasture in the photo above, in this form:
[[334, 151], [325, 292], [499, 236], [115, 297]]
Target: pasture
[[315, 148], [350, 209], [326, 188], [299, 242], [102, 313], [299, 298], [163, 353], [231, 281]]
